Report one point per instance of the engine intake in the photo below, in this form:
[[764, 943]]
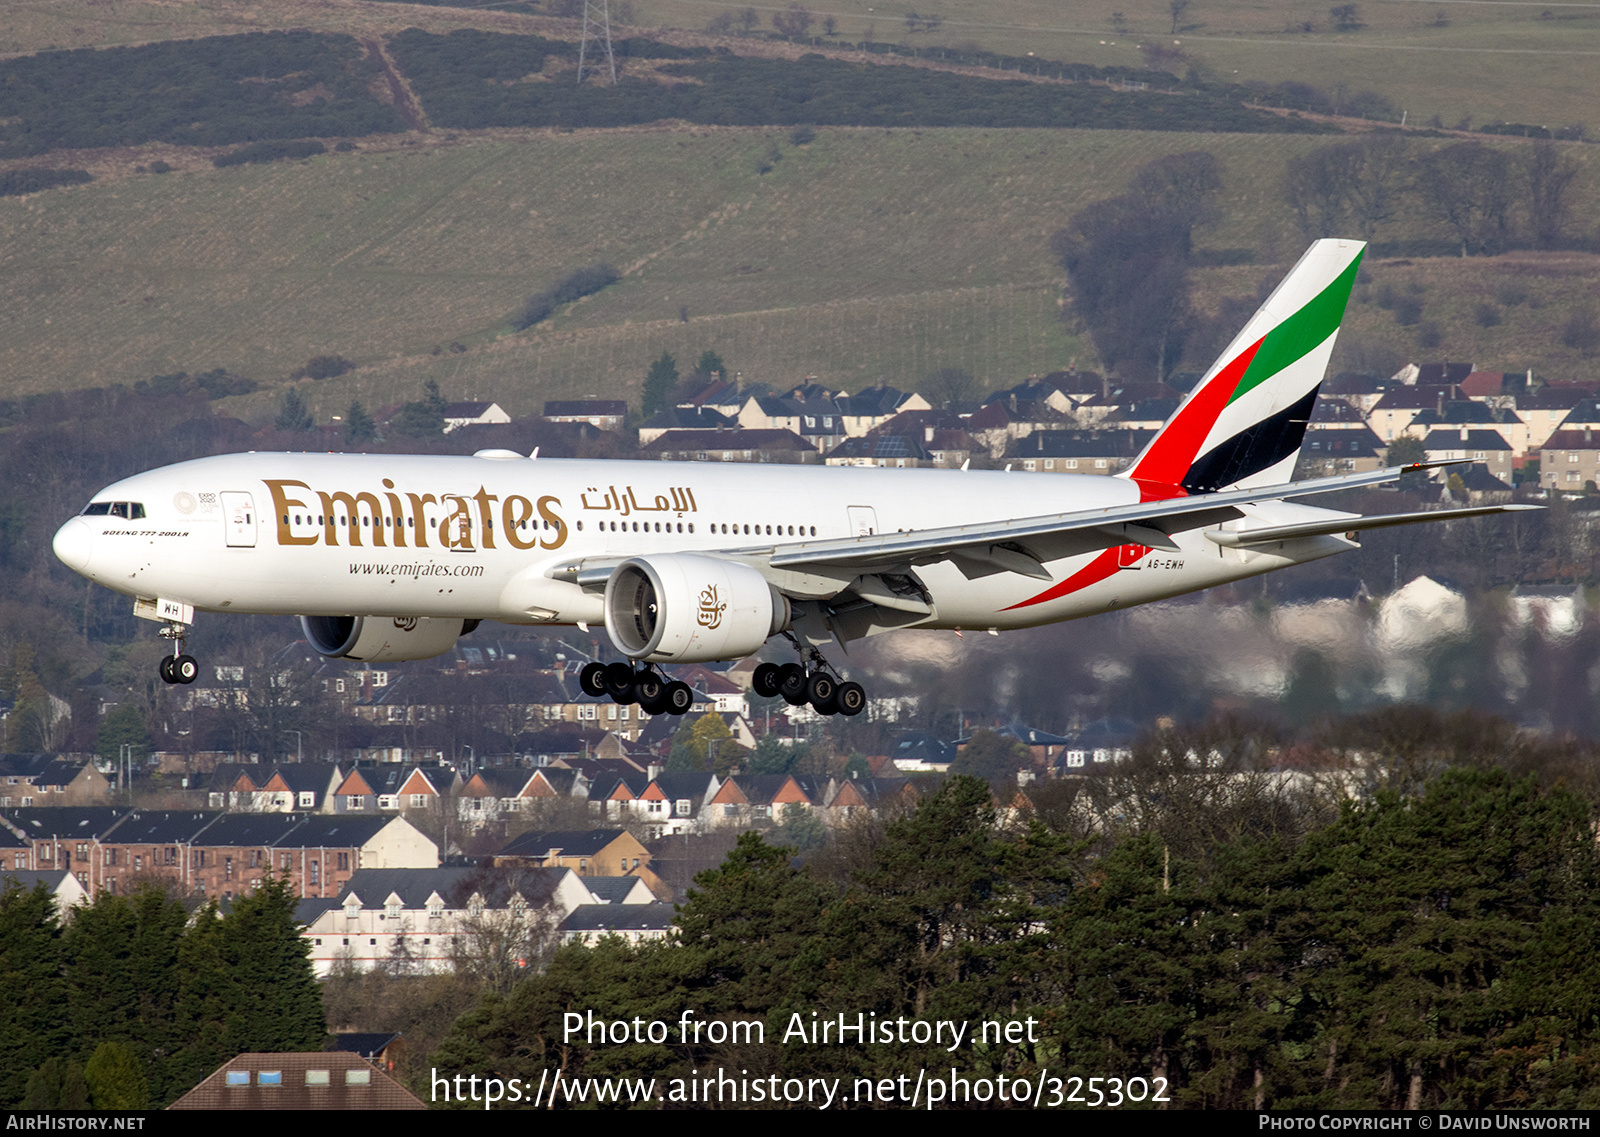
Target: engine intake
[[382, 639], [684, 608]]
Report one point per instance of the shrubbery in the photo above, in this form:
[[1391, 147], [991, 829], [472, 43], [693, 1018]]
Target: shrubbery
[[269, 152], [468, 80], [585, 282], [14, 183], [323, 367]]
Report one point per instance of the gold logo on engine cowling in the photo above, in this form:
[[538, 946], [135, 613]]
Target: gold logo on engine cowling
[[711, 610]]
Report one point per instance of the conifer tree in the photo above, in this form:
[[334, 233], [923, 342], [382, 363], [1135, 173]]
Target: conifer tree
[[33, 1028], [358, 425], [292, 414], [57, 1084], [115, 1078], [272, 997], [659, 384]]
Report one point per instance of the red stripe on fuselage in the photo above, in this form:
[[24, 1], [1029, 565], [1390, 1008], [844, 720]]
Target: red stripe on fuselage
[[1174, 449], [1092, 573], [1109, 561]]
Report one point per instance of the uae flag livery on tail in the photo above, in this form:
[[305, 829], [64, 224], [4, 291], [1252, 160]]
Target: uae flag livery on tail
[[1242, 425]]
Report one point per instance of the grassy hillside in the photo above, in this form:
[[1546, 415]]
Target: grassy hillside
[[865, 255], [1488, 62]]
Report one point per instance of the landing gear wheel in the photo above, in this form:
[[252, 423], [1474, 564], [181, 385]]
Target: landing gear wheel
[[649, 689], [850, 699], [679, 698], [619, 681], [792, 685], [186, 669], [166, 670], [593, 679], [767, 679], [820, 690]]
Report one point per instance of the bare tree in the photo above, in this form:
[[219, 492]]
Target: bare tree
[[1549, 174], [1177, 8], [1352, 185], [793, 23], [508, 929], [1468, 187], [949, 386]]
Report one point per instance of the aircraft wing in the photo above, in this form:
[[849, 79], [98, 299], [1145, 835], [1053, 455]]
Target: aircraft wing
[[1022, 545], [1151, 523]]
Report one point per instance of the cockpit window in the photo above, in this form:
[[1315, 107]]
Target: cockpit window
[[132, 510]]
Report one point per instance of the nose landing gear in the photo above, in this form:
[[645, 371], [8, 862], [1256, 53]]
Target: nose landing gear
[[180, 666]]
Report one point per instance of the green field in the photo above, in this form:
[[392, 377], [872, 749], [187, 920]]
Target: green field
[[867, 255]]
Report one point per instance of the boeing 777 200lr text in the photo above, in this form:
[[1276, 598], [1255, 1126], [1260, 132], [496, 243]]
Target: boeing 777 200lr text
[[393, 558]]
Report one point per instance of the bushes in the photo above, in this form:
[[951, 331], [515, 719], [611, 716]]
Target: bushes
[[17, 182], [323, 367], [577, 285], [468, 80], [269, 152]]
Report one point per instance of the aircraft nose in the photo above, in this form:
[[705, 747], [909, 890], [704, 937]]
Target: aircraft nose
[[73, 544]]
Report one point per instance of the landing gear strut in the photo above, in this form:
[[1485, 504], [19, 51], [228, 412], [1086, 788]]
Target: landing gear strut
[[626, 683], [813, 682], [179, 667]]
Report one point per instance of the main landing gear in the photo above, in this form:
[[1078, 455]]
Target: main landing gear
[[180, 666], [816, 684], [655, 694]]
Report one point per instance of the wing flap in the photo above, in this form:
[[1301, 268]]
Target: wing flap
[[1087, 529], [1246, 538]]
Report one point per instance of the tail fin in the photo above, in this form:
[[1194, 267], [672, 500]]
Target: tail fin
[[1243, 423]]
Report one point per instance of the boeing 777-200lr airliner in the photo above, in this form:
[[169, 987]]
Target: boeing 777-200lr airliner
[[393, 558]]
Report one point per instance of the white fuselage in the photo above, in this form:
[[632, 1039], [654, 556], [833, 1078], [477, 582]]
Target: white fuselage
[[479, 537]]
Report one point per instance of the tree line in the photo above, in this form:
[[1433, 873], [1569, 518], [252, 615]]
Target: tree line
[[1488, 199], [1417, 946], [157, 998]]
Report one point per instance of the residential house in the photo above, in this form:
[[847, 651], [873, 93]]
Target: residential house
[[770, 445], [457, 415], [45, 780], [746, 800], [1463, 443], [1570, 460], [606, 414], [1392, 415], [684, 418], [634, 923], [1337, 450], [62, 886], [424, 920], [1545, 410], [603, 852], [301, 1081], [1077, 451], [873, 406]]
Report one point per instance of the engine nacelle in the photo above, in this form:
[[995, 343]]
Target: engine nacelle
[[684, 608], [383, 639]]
